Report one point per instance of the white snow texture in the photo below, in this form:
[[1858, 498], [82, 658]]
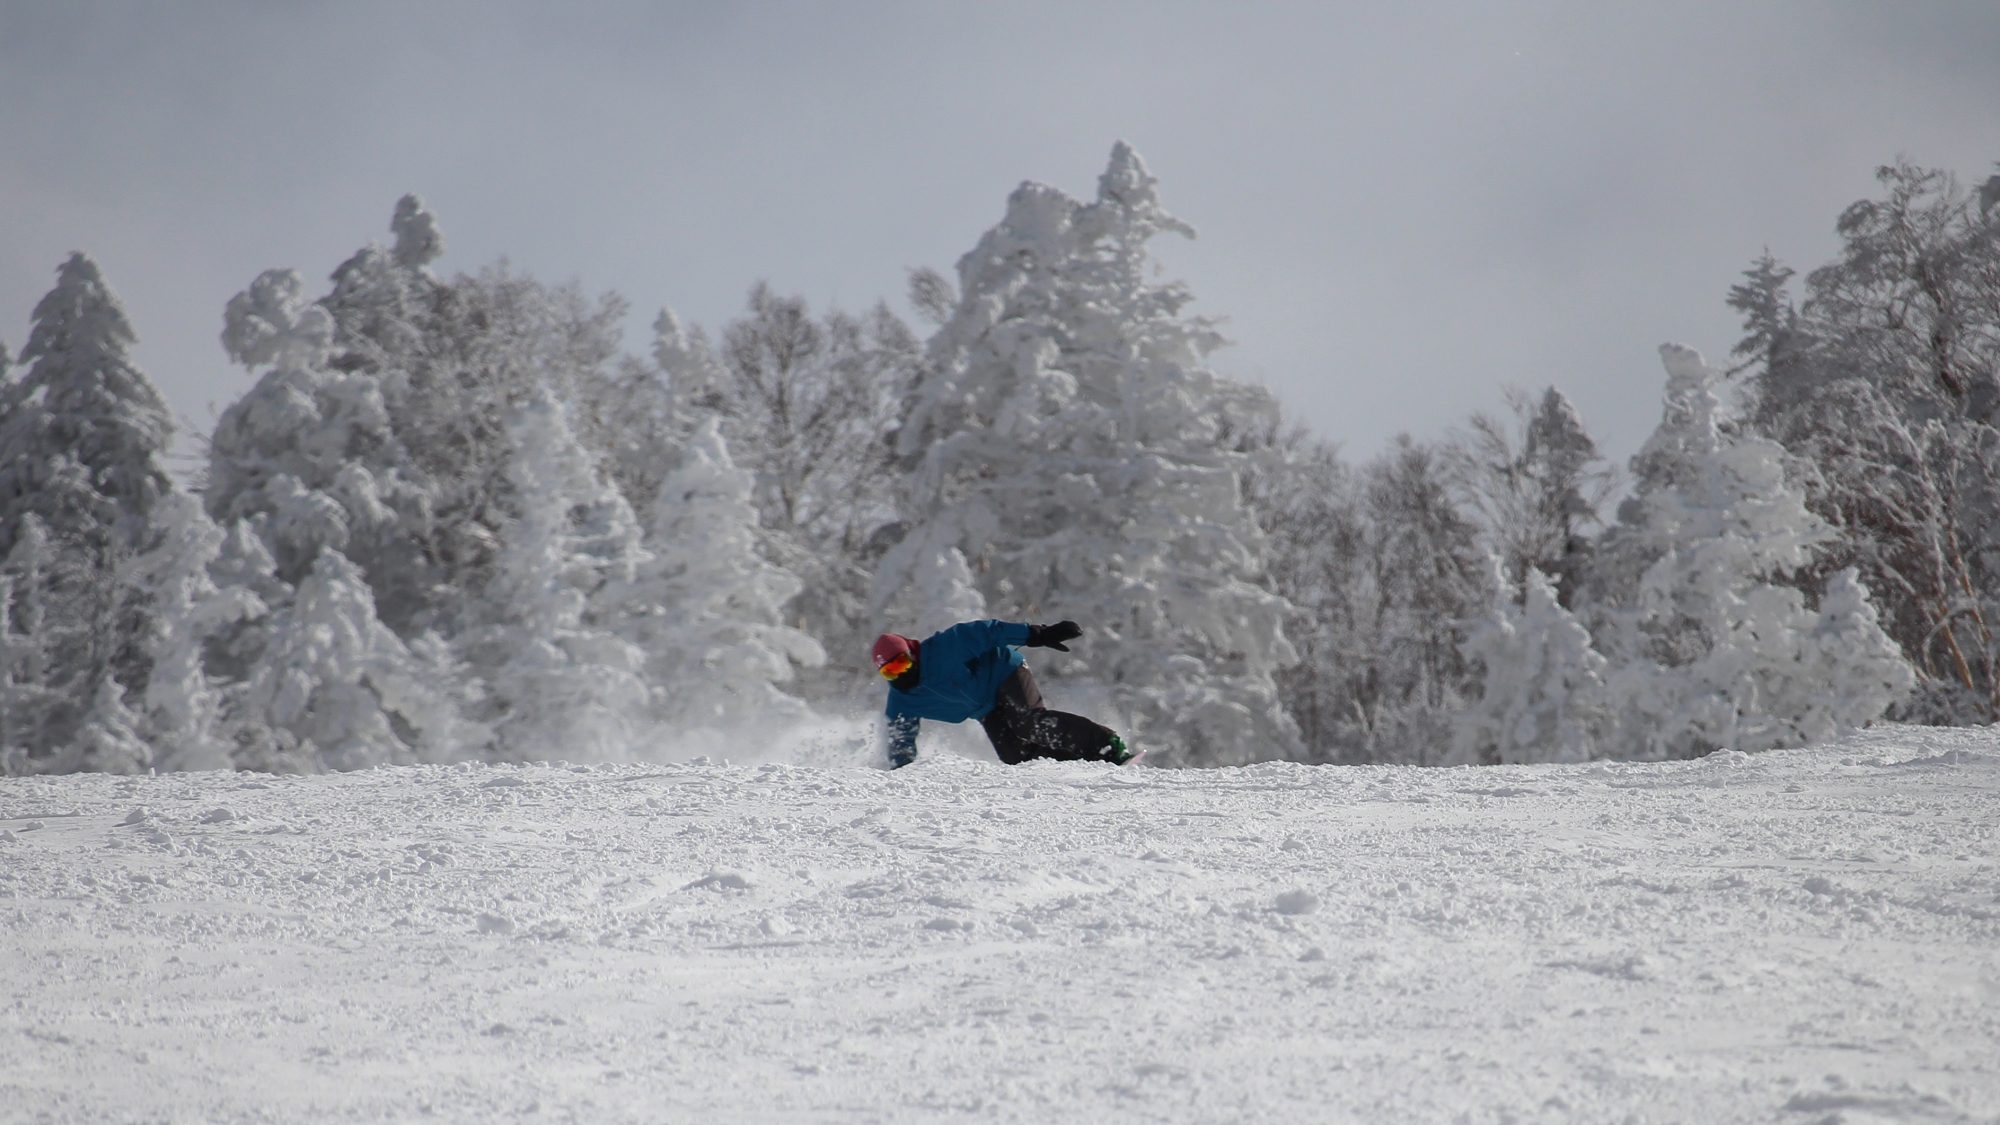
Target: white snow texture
[[1804, 935]]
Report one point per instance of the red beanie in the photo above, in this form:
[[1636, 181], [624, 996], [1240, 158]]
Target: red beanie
[[889, 646]]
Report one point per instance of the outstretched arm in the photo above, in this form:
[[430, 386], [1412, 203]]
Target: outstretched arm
[[993, 634], [977, 636]]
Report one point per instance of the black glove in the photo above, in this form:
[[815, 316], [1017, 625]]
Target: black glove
[[1053, 636]]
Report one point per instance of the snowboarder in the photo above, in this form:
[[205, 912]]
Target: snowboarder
[[971, 671]]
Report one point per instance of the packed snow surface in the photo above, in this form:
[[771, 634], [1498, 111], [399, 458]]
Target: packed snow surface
[[1799, 936]]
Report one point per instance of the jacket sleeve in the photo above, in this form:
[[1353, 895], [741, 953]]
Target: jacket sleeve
[[902, 730], [978, 636]]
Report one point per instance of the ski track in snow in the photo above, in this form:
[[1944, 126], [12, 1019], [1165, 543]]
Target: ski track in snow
[[1806, 936]]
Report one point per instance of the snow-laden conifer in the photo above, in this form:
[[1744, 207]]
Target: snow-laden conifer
[[704, 606], [556, 672], [1861, 668], [1709, 649], [1544, 697], [309, 448], [17, 659], [31, 698], [1070, 440], [82, 400], [381, 428], [310, 463], [244, 562], [334, 688], [383, 433], [383, 299], [184, 609], [938, 588], [685, 356], [643, 411], [111, 738], [82, 435], [419, 241]]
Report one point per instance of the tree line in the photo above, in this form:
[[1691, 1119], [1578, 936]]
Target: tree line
[[451, 518]]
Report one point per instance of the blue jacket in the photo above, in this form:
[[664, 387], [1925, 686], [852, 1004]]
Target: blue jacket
[[959, 672]]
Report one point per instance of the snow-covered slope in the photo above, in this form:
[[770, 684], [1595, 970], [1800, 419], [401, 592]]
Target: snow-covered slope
[[1808, 935]]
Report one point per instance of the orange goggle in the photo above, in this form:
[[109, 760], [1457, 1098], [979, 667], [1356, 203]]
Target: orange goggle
[[896, 665]]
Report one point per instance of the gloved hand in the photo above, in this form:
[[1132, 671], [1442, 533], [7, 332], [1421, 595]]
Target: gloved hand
[[1053, 636]]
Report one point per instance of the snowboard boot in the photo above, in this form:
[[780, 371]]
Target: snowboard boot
[[1119, 754]]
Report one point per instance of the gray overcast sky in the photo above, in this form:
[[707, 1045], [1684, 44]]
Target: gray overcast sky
[[1401, 207]]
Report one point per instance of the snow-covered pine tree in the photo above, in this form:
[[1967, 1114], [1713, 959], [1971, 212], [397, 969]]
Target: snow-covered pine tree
[[494, 343], [232, 658], [1544, 697], [1708, 650], [380, 428], [17, 660], [384, 300], [333, 688], [1070, 441], [309, 449], [693, 374], [560, 682], [938, 591], [1773, 344], [82, 400], [82, 436], [30, 701], [705, 607], [1862, 671], [309, 463], [383, 431], [1384, 572], [110, 739], [184, 609]]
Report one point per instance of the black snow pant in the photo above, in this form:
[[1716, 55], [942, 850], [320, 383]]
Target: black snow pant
[[1021, 728]]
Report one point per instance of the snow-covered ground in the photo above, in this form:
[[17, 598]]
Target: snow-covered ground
[[1801, 936]]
